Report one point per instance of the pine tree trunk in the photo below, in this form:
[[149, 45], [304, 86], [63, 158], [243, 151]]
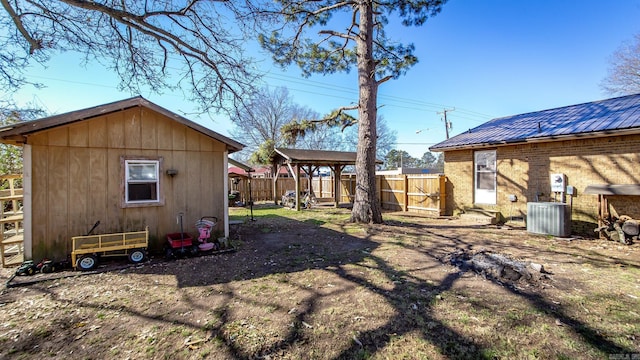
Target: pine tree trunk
[[366, 207]]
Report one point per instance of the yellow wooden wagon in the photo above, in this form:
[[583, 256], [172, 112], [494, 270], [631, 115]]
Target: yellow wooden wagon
[[87, 249]]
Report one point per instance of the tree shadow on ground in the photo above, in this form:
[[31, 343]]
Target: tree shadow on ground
[[590, 335], [284, 246], [571, 251]]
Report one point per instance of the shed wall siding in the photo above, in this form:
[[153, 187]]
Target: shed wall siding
[[524, 170], [77, 178]]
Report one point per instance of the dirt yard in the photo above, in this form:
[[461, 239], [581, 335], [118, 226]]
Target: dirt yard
[[311, 285]]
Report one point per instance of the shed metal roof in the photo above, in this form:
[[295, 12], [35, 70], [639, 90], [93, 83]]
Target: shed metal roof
[[599, 118], [15, 133]]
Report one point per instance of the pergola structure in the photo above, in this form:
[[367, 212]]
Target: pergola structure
[[310, 161]]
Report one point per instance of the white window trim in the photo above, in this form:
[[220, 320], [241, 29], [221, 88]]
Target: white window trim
[[125, 161]]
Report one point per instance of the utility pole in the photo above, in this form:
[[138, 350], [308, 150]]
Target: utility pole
[[447, 123]]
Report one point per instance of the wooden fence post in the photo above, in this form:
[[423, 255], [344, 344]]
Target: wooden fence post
[[405, 206], [443, 194]]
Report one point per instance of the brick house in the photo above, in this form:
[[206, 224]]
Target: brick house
[[507, 162]]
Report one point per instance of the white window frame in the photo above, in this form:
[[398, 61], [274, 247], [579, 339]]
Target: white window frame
[[481, 167], [157, 163]]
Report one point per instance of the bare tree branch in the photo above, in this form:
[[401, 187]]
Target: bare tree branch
[[34, 44], [138, 40], [623, 77]]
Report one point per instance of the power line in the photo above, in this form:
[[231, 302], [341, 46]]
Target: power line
[[395, 98], [73, 82], [419, 105], [415, 143], [398, 99]]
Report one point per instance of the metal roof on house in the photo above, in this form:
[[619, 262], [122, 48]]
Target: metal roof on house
[[614, 116], [15, 133]]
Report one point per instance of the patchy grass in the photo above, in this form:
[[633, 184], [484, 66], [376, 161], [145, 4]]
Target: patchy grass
[[311, 285]]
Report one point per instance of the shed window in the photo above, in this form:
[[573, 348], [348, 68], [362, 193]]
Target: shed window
[[142, 181]]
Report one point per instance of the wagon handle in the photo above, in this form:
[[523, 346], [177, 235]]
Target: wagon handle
[[93, 228]]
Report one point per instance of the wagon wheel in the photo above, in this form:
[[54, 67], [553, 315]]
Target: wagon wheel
[[87, 262], [136, 256]]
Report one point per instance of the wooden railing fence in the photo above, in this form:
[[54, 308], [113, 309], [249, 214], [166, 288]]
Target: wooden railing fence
[[416, 193], [11, 217]]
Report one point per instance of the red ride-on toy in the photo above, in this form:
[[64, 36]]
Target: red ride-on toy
[[180, 245]]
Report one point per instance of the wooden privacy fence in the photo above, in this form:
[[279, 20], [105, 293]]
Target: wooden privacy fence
[[416, 193], [261, 188]]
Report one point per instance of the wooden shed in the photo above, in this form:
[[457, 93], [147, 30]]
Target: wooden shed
[[130, 164]]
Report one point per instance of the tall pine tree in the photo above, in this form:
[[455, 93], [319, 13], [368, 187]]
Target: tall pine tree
[[348, 34]]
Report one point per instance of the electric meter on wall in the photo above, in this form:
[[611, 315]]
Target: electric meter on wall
[[558, 183]]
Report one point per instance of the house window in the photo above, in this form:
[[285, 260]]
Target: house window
[[142, 182], [485, 177]]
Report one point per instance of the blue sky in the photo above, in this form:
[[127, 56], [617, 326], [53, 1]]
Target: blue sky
[[484, 59]]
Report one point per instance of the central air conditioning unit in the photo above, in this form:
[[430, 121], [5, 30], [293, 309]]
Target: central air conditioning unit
[[549, 218]]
